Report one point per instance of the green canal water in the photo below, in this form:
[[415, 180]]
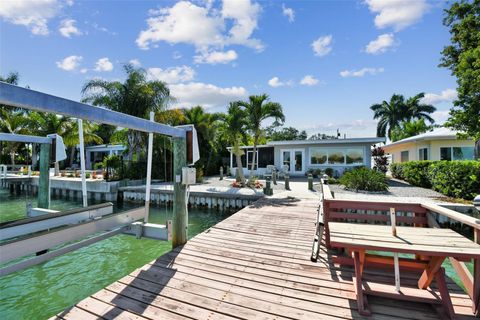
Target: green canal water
[[44, 290]]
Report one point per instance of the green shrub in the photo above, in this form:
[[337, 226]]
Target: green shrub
[[87, 175], [396, 170], [364, 179], [459, 179], [417, 173], [329, 172]]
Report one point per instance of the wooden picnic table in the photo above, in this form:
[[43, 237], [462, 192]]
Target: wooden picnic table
[[432, 245]]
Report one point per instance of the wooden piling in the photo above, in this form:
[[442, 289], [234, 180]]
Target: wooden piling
[[180, 216]]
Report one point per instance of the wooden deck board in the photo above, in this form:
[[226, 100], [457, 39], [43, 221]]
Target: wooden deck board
[[253, 265]]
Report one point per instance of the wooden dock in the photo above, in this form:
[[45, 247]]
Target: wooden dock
[[253, 265]]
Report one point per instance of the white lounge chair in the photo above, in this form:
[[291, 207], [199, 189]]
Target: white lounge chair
[[283, 171]]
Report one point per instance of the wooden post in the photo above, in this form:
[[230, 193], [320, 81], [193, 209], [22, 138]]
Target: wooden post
[[287, 181], [476, 278], [44, 180], [310, 182], [149, 171], [180, 217], [393, 220], [274, 176], [221, 173]]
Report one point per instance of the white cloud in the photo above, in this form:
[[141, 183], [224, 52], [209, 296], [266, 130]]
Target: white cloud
[[382, 44], [398, 14], [362, 72], [83, 70], [33, 14], [206, 95], [204, 27], [103, 64], [135, 62], [171, 75], [67, 28], [70, 63], [275, 83], [309, 80], [215, 57], [289, 13], [447, 95], [440, 116], [322, 46]]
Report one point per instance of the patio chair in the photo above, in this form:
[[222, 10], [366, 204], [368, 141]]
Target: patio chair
[[283, 171], [269, 171]]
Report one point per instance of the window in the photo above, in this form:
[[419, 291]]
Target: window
[[336, 156], [423, 154], [250, 159], [456, 153], [354, 156], [404, 156], [318, 156]]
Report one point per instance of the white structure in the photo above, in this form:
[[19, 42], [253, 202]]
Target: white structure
[[438, 144], [302, 155], [95, 154]]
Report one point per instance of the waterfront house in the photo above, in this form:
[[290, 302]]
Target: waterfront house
[[438, 144], [302, 155], [96, 154]]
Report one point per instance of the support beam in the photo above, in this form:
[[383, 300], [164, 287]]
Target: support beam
[[180, 215], [149, 171], [29, 99], [44, 180], [23, 138], [82, 163]]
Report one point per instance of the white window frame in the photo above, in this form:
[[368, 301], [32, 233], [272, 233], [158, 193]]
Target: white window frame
[[344, 164], [291, 168], [418, 153], [408, 155], [249, 164], [451, 151]]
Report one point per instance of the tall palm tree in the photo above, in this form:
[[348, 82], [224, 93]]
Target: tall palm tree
[[389, 114], [72, 138], [13, 121], [418, 110], [409, 129], [258, 108], [136, 96], [234, 124]]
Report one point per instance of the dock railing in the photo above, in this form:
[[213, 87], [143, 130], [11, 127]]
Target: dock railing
[[409, 214]]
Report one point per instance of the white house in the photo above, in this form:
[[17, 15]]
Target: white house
[[95, 154], [438, 144], [302, 155]]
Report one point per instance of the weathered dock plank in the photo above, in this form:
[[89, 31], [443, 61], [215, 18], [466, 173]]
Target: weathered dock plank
[[253, 265]]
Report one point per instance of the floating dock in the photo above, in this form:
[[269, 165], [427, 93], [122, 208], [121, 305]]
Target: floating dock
[[253, 265]]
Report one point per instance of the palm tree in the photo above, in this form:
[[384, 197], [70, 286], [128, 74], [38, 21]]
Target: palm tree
[[13, 121], [418, 110], [234, 124], [258, 108], [72, 138], [389, 114], [207, 126], [136, 96], [409, 129]]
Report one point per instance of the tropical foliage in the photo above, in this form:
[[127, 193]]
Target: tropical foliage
[[409, 129], [390, 114], [364, 179], [462, 57]]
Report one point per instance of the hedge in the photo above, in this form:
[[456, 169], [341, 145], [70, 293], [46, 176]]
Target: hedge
[[459, 179], [364, 179]]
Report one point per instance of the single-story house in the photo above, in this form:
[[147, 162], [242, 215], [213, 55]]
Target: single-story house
[[95, 154], [438, 144], [302, 155]]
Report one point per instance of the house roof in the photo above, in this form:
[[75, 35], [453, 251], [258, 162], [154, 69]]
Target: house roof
[[371, 140], [435, 134]]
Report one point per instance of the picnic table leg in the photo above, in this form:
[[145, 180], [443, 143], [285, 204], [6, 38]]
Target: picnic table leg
[[429, 273], [443, 289], [358, 259]]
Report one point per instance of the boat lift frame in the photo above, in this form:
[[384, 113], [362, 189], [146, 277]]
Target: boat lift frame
[[111, 225]]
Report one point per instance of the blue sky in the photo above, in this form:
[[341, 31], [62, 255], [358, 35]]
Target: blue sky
[[326, 62]]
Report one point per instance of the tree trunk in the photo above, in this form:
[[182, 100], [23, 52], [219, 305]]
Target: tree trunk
[[72, 155], [254, 158], [240, 169], [12, 157], [57, 169], [34, 156], [477, 150]]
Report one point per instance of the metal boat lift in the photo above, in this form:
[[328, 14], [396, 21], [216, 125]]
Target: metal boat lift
[[34, 235]]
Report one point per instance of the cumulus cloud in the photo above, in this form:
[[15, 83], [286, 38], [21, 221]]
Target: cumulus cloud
[[397, 14], [322, 46], [440, 116], [33, 14], [447, 95], [216, 57], [203, 26], [360, 73], [70, 63], [67, 28], [103, 64], [382, 44], [135, 62], [171, 75], [206, 95], [275, 83], [289, 13], [309, 80]]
